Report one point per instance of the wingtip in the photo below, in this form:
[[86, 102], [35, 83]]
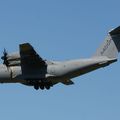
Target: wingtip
[[24, 44]]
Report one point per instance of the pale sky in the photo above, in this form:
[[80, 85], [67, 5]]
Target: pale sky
[[61, 30]]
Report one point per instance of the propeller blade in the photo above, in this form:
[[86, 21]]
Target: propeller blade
[[4, 57]]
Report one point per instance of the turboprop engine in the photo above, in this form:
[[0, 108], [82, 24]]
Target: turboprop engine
[[11, 59]]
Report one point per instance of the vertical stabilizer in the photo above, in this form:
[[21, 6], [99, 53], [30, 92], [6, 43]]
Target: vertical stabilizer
[[111, 46]]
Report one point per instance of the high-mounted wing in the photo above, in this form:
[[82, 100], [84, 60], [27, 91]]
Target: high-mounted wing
[[29, 57]]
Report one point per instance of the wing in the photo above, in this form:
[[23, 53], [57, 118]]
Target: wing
[[29, 58]]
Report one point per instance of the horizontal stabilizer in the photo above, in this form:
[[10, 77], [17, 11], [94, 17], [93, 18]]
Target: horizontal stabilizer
[[67, 82]]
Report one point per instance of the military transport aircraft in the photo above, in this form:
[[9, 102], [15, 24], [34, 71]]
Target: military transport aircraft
[[28, 68]]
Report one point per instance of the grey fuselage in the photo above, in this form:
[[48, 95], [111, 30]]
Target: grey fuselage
[[54, 71]]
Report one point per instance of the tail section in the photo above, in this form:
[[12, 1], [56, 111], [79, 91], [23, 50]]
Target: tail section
[[111, 46]]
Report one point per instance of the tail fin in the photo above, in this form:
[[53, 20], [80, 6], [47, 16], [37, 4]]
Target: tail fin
[[111, 46]]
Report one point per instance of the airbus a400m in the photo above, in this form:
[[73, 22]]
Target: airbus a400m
[[28, 68]]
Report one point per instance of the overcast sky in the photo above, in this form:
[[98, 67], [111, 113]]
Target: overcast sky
[[61, 30]]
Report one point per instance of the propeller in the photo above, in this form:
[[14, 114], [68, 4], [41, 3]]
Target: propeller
[[4, 57]]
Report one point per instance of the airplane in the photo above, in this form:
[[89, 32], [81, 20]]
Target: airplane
[[28, 68]]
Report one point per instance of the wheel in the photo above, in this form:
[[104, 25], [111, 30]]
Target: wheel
[[47, 87], [36, 87], [42, 87]]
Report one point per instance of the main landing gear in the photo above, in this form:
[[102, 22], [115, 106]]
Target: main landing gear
[[42, 86]]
